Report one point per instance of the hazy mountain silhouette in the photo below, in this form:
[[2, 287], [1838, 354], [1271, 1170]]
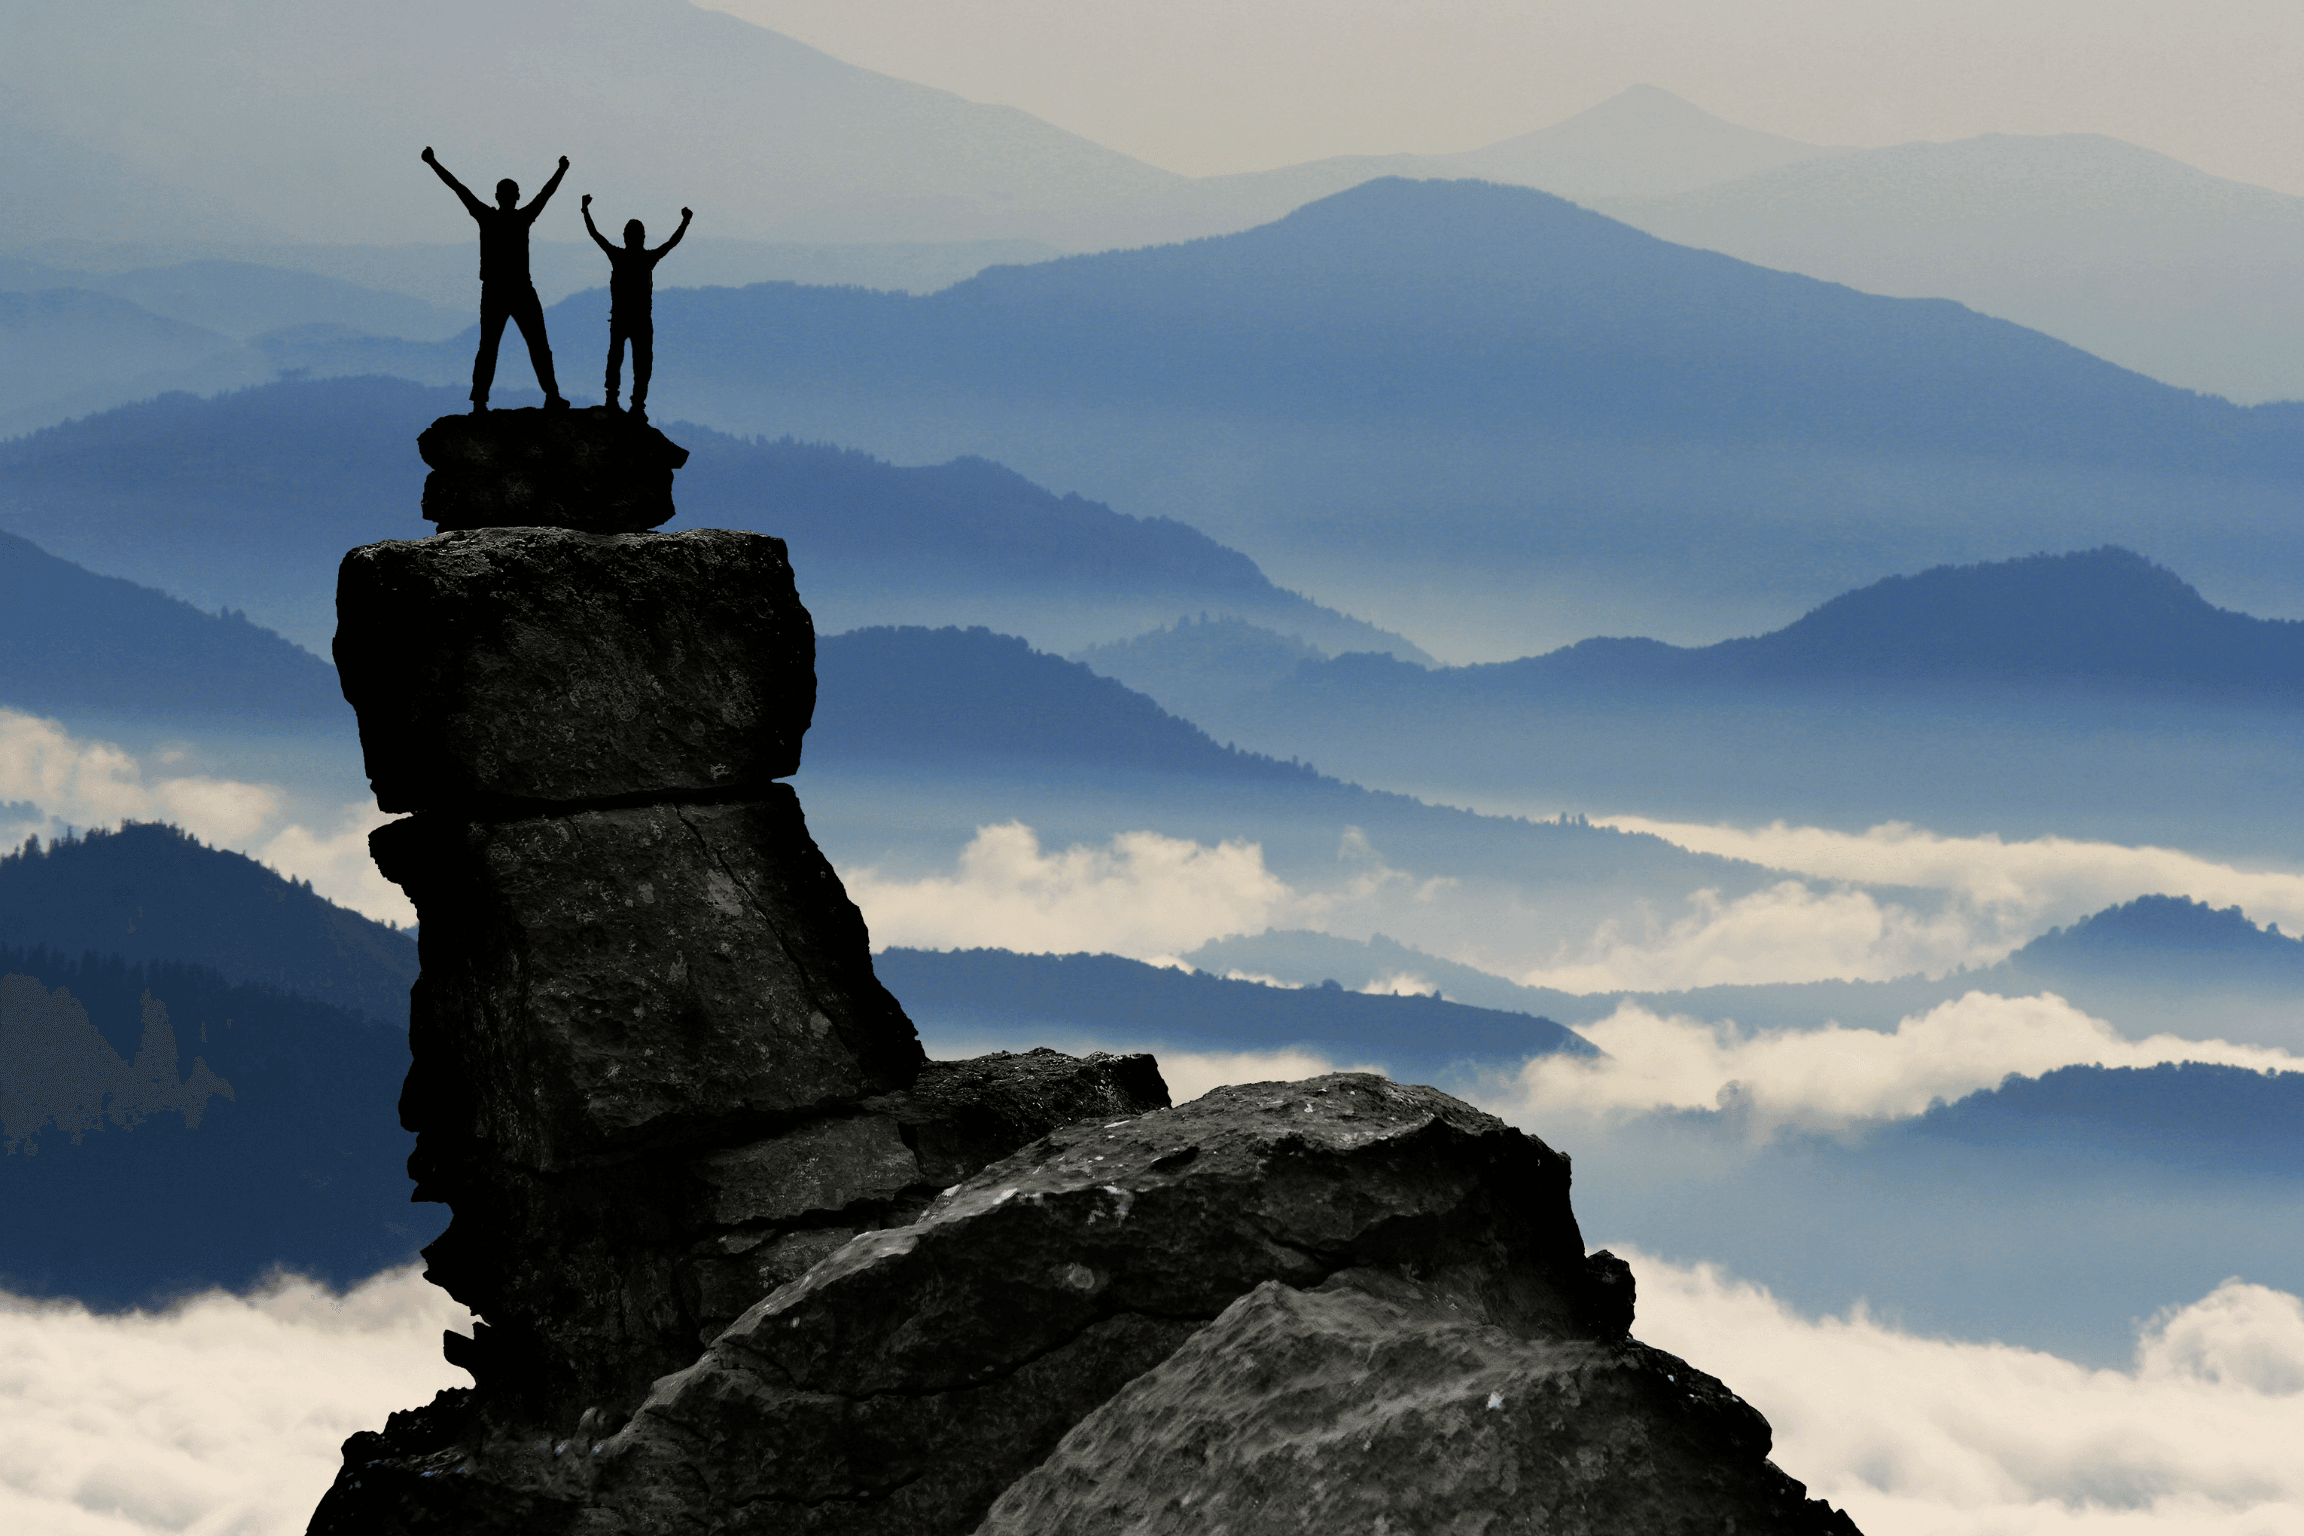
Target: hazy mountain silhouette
[[1128, 1003], [2133, 256], [1642, 142], [1558, 396], [938, 696], [72, 642], [241, 299], [781, 141], [56, 184], [150, 893], [2230, 1119], [66, 349], [439, 275], [250, 500], [2049, 694], [2155, 965], [956, 728], [2105, 617], [1480, 307], [171, 1131], [1198, 667]]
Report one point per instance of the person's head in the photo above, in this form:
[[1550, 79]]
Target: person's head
[[635, 234], [507, 193]]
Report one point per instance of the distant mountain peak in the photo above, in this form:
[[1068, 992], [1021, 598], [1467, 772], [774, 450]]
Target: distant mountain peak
[[1641, 142], [2160, 925]]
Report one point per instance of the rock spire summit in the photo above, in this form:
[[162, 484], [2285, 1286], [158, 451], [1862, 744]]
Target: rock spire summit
[[747, 1261]]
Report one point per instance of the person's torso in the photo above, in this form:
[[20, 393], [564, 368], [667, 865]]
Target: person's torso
[[504, 247], [631, 286]]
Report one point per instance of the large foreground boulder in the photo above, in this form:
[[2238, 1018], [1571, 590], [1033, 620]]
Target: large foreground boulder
[[1343, 1304], [1374, 1402]]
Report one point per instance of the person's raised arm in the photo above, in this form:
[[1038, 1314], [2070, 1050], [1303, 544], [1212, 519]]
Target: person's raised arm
[[685, 216], [550, 187], [593, 229], [472, 205]]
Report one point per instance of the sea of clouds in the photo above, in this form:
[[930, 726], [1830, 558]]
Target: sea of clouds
[[1149, 896], [222, 1416], [1832, 1078], [1970, 901]]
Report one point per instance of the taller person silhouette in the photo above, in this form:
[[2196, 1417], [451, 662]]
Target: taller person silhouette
[[506, 290], [632, 302]]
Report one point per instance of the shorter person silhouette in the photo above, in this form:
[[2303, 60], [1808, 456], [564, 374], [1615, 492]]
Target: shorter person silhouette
[[631, 302], [506, 290]]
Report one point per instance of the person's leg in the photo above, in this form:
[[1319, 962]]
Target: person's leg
[[615, 359], [528, 310], [643, 362], [493, 314]]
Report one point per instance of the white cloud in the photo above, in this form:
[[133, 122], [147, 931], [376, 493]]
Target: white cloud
[[1262, 980], [222, 1416], [1785, 932], [1935, 1437], [1399, 984], [1142, 895], [337, 863], [2038, 881], [79, 783], [1189, 1074], [1834, 1076]]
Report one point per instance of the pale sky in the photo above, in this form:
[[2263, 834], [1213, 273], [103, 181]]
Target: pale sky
[[1210, 86]]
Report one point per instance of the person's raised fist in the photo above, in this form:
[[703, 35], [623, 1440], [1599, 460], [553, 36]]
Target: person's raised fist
[[427, 154], [563, 162]]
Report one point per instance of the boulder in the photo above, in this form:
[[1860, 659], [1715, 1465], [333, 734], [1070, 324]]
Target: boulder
[[908, 1379], [598, 470], [1375, 1402], [600, 1281], [542, 667]]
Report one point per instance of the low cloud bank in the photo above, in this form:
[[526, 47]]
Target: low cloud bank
[[1936, 1437], [1149, 896], [70, 781], [1829, 1078], [1143, 895], [2037, 882], [222, 1416], [1788, 931]]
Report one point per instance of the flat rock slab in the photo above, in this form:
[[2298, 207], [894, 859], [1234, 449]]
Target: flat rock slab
[[905, 1381], [1376, 1404], [547, 667], [598, 470]]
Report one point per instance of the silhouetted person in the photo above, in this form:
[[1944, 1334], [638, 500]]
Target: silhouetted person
[[506, 290], [631, 301]]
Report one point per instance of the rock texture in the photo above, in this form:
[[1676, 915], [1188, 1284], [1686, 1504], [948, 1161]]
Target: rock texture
[[1375, 1402], [543, 666], [748, 1263], [597, 470], [653, 1076]]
